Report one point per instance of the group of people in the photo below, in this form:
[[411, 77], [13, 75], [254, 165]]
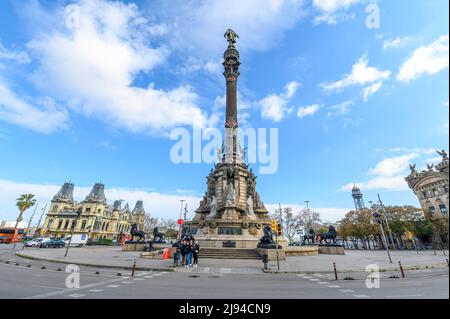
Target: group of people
[[187, 254]]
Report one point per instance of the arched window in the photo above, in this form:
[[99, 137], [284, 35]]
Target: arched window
[[55, 209], [60, 224], [49, 224], [66, 224], [83, 224], [74, 224]]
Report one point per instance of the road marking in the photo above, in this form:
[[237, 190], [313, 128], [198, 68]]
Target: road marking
[[307, 277], [76, 295], [225, 270], [126, 282], [67, 290], [157, 274], [300, 275], [319, 275], [112, 286], [405, 296], [137, 279], [323, 282], [361, 296], [96, 290], [314, 279], [346, 290], [149, 277], [141, 274], [51, 287], [334, 286]]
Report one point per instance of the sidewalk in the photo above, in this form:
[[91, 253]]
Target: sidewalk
[[352, 261]]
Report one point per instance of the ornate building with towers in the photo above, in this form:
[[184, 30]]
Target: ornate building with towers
[[431, 187], [98, 220], [358, 198], [231, 213]]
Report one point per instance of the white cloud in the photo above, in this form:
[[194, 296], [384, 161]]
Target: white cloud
[[41, 115], [18, 56], [94, 67], [333, 11], [198, 26], [429, 59], [395, 43], [393, 165], [389, 174], [341, 108], [370, 90], [308, 110], [157, 204], [361, 74], [276, 106]]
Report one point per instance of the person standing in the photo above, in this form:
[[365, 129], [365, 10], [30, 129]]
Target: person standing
[[188, 255], [183, 251], [195, 253]]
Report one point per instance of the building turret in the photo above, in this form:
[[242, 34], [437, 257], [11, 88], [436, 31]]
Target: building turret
[[97, 194], [138, 208], [65, 194]]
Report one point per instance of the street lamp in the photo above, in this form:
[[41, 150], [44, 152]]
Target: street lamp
[[78, 212], [179, 221], [378, 219]]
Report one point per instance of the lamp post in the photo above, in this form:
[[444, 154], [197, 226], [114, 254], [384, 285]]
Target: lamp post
[[378, 219], [385, 219], [181, 212], [78, 212]]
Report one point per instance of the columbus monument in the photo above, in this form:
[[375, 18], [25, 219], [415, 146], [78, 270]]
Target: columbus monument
[[231, 213]]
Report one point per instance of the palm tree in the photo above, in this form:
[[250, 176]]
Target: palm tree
[[24, 202]]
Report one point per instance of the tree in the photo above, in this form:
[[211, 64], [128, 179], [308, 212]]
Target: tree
[[24, 202], [310, 219], [290, 222], [150, 223]]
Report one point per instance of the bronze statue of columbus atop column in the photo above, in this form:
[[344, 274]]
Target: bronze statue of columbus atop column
[[231, 64]]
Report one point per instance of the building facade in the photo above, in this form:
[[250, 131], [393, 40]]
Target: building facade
[[431, 188], [98, 220]]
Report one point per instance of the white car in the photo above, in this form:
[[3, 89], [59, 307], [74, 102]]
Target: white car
[[36, 242]]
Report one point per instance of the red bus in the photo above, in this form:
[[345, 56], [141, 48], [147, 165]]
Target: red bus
[[10, 235]]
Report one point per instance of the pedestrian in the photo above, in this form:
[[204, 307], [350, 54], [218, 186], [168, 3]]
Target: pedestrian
[[183, 251], [188, 255], [195, 254]]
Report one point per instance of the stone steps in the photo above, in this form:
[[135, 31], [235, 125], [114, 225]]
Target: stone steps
[[228, 253]]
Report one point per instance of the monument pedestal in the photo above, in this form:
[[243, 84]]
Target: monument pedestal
[[135, 246], [331, 249]]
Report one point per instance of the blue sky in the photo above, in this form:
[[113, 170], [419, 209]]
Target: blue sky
[[96, 100]]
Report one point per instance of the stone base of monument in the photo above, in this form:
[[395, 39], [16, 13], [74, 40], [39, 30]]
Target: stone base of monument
[[331, 249], [305, 250], [272, 253], [135, 246], [230, 233]]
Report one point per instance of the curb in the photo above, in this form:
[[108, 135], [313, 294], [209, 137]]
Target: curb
[[95, 265], [433, 266]]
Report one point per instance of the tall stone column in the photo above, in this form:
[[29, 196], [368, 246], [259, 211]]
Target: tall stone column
[[231, 64]]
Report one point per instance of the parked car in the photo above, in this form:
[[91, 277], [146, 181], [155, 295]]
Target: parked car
[[55, 243], [37, 242]]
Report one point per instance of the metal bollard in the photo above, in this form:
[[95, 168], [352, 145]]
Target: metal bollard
[[447, 261], [335, 271], [133, 268], [401, 269], [265, 259]]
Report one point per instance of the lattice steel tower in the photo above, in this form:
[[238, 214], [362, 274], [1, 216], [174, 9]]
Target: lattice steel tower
[[358, 198]]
